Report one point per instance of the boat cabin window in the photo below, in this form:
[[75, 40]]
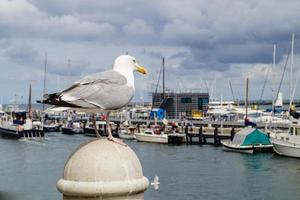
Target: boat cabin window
[[19, 117], [148, 132]]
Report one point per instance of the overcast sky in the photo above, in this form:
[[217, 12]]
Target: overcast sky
[[206, 43]]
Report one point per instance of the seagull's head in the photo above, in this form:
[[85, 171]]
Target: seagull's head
[[124, 63]]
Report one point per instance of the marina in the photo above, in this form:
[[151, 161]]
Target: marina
[[160, 100]]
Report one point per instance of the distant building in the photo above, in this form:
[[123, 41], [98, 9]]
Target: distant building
[[177, 105]]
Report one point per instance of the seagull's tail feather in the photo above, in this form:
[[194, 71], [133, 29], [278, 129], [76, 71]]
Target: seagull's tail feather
[[54, 99]]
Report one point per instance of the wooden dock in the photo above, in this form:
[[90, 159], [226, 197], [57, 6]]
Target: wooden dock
[[207, 123], [202, 138]]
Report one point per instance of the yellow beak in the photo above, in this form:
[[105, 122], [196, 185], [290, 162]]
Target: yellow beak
[[140, 69]]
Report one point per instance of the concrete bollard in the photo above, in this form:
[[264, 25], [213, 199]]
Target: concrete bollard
[[101, 169]]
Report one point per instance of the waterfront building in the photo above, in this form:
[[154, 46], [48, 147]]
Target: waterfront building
[[178, 105]]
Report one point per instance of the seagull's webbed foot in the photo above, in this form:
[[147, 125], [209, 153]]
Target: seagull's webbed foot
[[115, 140], [110, 136]]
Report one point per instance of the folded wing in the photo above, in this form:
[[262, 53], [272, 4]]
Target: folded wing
[[106, 90]]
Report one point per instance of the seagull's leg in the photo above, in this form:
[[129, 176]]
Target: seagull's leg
[[95, 126], [110, 136]]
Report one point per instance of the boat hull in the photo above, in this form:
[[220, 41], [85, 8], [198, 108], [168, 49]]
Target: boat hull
[[28, 134], [127, 136], [141, 137], [285, 148], [51, 128], [70, 131], [228, 146]]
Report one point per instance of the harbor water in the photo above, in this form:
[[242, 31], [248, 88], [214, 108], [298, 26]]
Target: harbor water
[[31, 169]]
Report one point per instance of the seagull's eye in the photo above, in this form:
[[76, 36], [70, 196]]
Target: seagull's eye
[[134, 61]]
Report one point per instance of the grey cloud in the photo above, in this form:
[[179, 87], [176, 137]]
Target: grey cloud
[[63, 68], [202, 35], [22, 54], [26, 56], [36, 24], [179, 55], [153, 54]]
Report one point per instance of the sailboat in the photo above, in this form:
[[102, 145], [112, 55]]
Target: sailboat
[[49, 125], [248, 140], [287, 143], [156, 132]]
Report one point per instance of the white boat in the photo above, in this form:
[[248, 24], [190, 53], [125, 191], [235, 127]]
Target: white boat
[[127, 133], [248, 140], [287, 143], [19, 126], [150, 135]]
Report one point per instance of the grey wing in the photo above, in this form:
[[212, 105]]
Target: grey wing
[[110, 77], [108, 91]]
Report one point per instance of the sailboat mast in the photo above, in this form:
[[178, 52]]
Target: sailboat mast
[[45, 78], [246, 97], [273, 67], [29, 102], [231, 90], [292, 63], [163, 65], [298, 73], [69, 70]]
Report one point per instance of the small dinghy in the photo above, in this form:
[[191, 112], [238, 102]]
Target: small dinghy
[[249, 140]]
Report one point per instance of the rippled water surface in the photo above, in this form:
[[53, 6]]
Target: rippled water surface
[[30, 170]]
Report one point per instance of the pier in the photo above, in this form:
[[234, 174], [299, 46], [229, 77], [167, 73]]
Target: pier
[[201, 138], [209, 123]]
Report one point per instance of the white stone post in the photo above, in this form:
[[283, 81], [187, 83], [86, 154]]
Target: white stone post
[[101, 169]]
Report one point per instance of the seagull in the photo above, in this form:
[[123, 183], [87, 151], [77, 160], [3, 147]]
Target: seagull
[[101, 92], [155, 182]]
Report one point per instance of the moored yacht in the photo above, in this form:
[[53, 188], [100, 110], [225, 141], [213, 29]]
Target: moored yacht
[[155, 135], [287, 143], [18, 125]]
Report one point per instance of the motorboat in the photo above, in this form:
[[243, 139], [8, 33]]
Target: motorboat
[[51, 126], [287, 143], [249, 140], [155, 135], [72, 128], [19, 126], [127, 133]]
